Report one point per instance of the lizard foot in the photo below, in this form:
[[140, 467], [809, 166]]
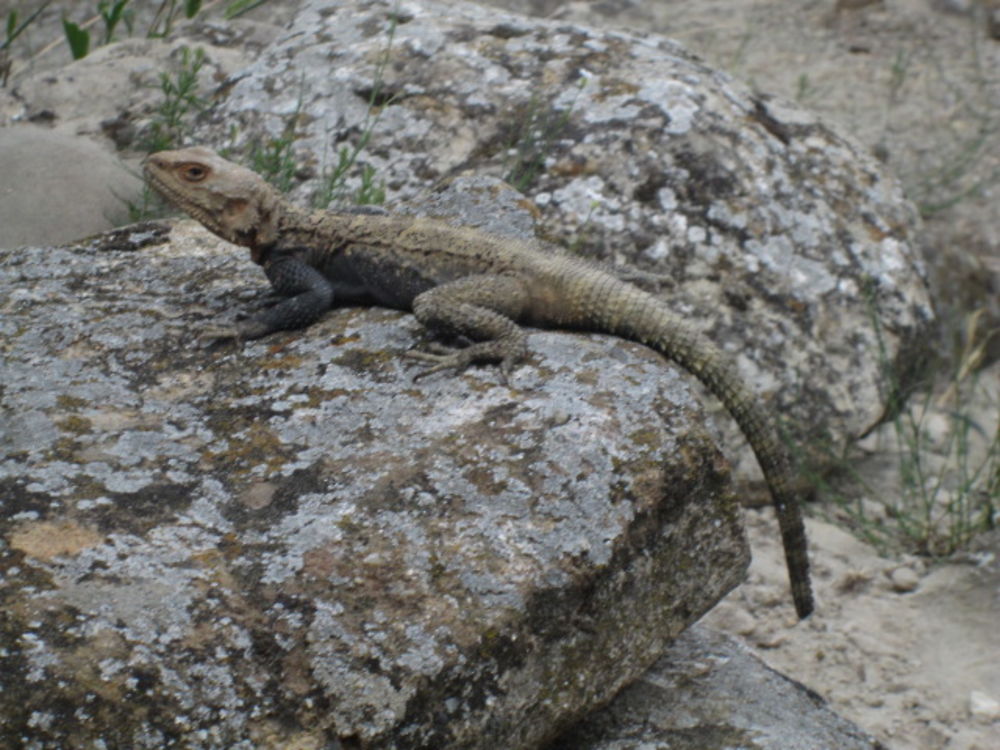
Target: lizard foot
[[244, 330], [440, 359], [213, 335], [445, 358]]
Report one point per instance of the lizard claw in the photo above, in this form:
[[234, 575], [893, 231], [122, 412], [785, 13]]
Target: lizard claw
[[446, 358], [441, 359], [212, 335], [437, 349], [507, 369], [244, 330]]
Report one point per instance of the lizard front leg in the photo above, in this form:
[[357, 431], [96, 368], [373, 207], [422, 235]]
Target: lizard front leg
[[484, 308], [308, 295]]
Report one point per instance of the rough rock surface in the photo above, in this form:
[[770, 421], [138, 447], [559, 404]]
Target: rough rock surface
[[118, 85], [709, 692], [913, 80], [782, 238], [293, 542]]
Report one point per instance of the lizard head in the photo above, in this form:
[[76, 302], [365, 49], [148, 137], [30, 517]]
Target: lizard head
[[236, 204]]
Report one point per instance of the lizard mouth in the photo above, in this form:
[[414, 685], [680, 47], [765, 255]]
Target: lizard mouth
[[176, 198]]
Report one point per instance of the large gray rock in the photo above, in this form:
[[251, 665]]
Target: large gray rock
[[784, 241], [709, 692], [56, 188], [292, 543]]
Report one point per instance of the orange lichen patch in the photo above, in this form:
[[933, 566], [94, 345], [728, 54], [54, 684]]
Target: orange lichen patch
[[284, 362], [47, 539], [255, 445], [876, 233], [271, 734], [529, 205]]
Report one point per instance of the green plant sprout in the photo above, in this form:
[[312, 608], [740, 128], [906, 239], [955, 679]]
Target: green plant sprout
[[949, 484], [542, 127], [113, 12], [170, 123], [180, 98], [167, 13], [13, 31], [335, 181]]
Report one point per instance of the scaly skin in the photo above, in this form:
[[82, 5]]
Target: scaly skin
[[457, 280]]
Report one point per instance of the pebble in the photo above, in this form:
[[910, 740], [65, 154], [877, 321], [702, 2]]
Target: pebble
[[983, 707], [904, 580], [771, 639], [733, 619], [873, 510]]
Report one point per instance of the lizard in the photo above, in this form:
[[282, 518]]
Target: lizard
[[463, 281]]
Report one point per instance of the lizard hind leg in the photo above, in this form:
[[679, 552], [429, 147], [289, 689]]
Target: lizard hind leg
[[483, 308]]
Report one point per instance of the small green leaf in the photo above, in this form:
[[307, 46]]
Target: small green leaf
[[117, 11], [111, 14], [14, 31], [239, 7], [78, 39], [191, 8]]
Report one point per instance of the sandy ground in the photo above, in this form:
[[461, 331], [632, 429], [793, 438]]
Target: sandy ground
[[907, 648], [913, 669]]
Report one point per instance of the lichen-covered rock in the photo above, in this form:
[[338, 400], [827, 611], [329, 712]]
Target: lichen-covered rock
[[787, 243], [293, 544]]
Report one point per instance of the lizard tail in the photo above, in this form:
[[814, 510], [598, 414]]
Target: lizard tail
[[606, 304]]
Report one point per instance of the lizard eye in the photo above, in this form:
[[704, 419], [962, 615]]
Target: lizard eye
[[194, 172]]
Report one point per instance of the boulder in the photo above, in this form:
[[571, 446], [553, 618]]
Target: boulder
[[710, 692], [787, 243], [292, 543]]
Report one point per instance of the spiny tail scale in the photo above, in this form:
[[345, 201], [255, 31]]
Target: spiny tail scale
[[601, 302]]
